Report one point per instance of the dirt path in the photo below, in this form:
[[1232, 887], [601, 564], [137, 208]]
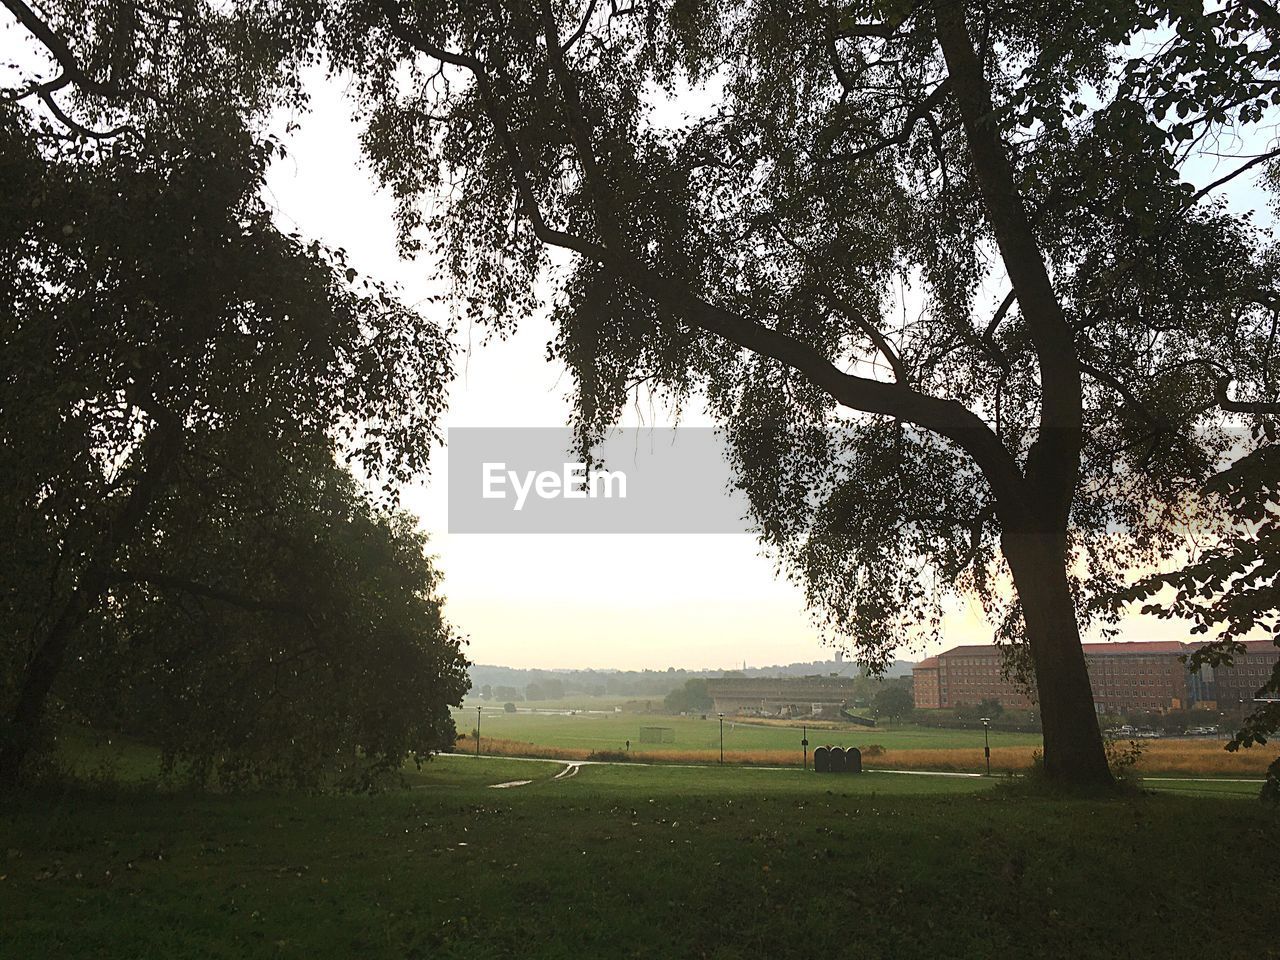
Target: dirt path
[[570, 770]]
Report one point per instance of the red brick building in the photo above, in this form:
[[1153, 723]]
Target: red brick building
[[1125, 677]]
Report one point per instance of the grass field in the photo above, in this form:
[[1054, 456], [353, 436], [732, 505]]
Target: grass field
[[610, 731], [562, 736], [636, 861]]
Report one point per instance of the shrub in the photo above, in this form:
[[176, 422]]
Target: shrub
[[609, 756], [509, 707]]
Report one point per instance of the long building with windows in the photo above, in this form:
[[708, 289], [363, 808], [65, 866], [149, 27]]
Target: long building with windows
[[780, 696], [1126, 677]]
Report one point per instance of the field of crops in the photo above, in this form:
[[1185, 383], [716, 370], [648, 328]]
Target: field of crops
[[905, 747]]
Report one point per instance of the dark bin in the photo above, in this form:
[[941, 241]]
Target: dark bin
[[837, 759], [822, 760], [853, 760]]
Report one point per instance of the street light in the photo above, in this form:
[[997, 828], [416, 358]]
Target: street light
[[986, 738], [477, 730], [804, 742], [722, 738]]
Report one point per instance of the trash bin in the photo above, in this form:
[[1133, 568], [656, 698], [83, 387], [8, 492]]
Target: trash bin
[[822, 760], [836, 759], [853, 760]]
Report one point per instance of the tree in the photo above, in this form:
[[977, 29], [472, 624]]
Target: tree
[[957, 318], [278, 628], [990, 708], [894, 702], [151, 310], [690, 698], [1234, 586], [553, 688]]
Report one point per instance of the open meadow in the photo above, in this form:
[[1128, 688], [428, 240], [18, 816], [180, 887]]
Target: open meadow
[[635, 861], [579, 735]]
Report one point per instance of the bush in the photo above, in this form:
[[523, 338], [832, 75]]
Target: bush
[[509, 708], [873, 750], [609, 756], [1123, 761]]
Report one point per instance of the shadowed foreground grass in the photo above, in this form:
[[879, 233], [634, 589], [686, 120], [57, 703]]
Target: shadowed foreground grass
[[637, 862]]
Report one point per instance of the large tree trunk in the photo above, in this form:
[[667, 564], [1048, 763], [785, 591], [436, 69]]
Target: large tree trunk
[[161, 448], [1034, 538], [1073, 750]]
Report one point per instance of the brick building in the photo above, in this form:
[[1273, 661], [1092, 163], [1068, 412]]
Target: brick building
[[1125, 677]]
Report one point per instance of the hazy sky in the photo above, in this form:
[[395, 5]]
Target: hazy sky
[[551, 601]]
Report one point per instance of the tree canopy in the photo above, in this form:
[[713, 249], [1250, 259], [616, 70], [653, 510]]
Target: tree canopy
[[178, 376]]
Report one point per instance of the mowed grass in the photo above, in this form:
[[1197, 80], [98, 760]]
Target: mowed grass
[[563, 736], [611, 731], [632, 861]]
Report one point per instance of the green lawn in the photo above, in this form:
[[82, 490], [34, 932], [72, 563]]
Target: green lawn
[[634, 861], [610, 731]]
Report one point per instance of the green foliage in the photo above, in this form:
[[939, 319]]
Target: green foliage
[[894, 702], [691, 698], [1233, 587], [177, 376], [279, 629]]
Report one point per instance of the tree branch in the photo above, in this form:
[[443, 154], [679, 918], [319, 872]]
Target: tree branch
[[1241, 406], [1244, 168], [1054, 463]]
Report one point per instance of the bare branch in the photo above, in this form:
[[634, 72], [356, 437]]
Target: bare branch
[[1244, 168]]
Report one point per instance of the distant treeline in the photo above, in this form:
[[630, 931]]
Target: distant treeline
[[511, 684]]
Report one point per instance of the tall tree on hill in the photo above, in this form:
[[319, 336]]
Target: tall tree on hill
[[939, 268]]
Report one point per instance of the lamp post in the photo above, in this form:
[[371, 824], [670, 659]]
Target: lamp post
[[477, 730], [804, 742], [722, 738], [986, 740]]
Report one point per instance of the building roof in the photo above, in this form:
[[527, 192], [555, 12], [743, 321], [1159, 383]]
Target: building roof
[[929, 664], [1109, 648], [1118, 647]]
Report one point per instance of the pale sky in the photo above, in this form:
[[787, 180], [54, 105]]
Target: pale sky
[[618, 601]]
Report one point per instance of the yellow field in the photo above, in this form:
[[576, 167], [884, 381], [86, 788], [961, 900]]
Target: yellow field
[[1174, 757]]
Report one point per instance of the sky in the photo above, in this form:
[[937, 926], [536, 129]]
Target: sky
[[554, 601]]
